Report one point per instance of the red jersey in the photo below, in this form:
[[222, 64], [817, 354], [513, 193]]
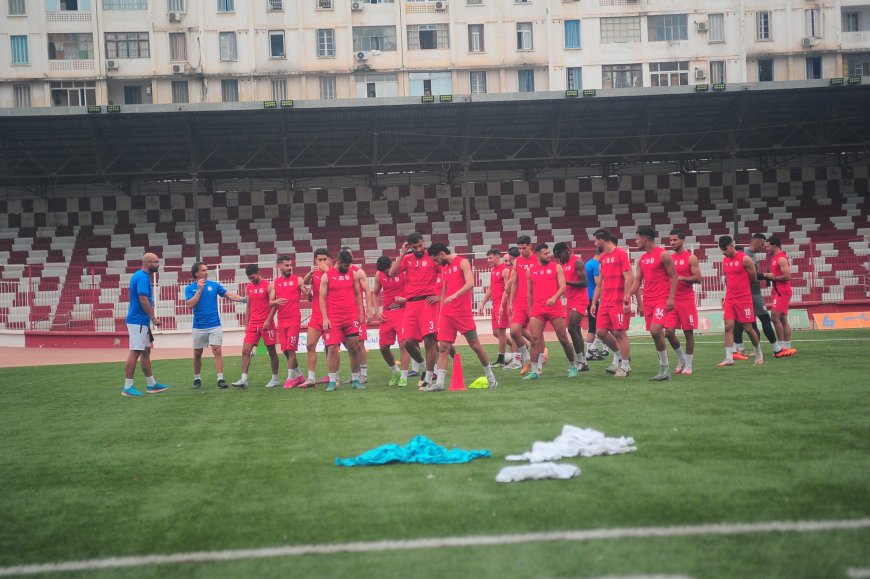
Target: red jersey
[[496, 282], [656, 283], [315, 295], [613, 265], [391, 287], [545, 284], [454, 279], [289, 288], [258, 302], [341, 304], [683, 269], [736, 278], [521, 269], [781, 286], [420, 275], [571, 275]]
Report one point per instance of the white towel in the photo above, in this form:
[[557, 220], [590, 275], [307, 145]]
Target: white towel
[[574, 441], [539, 471]]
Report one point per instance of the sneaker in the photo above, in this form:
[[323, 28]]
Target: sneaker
[[513, 365], [241, 384], [422, 384], [740, 356], [331, 386], [531, 376], [622, 372], [364, 379], [346, 381], [309, 384], [663, 375], [604, 352], [679, 368], [583, 367], [394, 379], [612, 368], [594, 356], [413, 373], [222, 384], [433, 388], [157, 388], [357, 385], [758, 361], [791, 352], [271, 384], [324, 380], [293, 382], [131, 392], [572, 372], [197, 384], [526, 367], [725, 363], [687, 371], [402, 383], [781, 354], [493, 383]]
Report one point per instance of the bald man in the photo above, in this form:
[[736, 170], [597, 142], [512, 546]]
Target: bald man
[[139, 319]]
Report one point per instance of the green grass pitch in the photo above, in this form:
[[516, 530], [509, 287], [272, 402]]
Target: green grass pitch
[[87, 474]]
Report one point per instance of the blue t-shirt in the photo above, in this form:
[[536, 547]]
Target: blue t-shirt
[[593, 268], [140, 285], [205, 312]]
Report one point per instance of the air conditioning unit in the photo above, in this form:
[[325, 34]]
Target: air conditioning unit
[[700, 74], [111, 65], [374, 52], [176, 16], [356, 6], [441, 5], [179, 68], [810, 41], [702, 27], [361, 55]]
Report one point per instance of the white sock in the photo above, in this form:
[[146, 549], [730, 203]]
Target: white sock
[[311, 375], [689, 358], [274, 377], [150, 381], [128, 382], [488, 370], [244, 377], [440, 375], [197, 376], [354, 376], [333, 377], [364, 370], [740, 347], [524, 352], [787, 345], [289, 373], [540, 362], [220, 376], [776, 347], [579, 358], [625, 365], [616, 358], [404, 374], [396, 369], [681, 356], [663, 357], [729, 353], [596, 345]]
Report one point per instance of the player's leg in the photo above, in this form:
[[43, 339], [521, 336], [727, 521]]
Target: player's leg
[[442, 362], [332, 363], [354, 346], [575, 331], [312, 337], [536, 351], [242, 382], [197, 368], [753, 337], [363, 353], [474, 343], [620, 336], [729, 319], [739, 348], [657, 331], [769, 331], [560, 327]]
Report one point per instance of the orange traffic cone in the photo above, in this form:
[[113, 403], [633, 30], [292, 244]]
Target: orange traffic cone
[[457, 380]]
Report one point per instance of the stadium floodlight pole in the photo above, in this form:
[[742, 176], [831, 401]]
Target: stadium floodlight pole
[[466, 205], [734, 193], [194, 179]]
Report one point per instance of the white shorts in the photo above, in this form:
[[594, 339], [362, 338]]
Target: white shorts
[[140, 337], [209, 337]]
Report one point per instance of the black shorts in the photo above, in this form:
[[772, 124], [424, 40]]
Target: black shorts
[[591, 318]]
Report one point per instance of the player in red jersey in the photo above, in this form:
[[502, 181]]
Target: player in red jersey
[[576, 300], [259, 324], [286, 293], [780, 278], [456, 313], [655, 270], [322, 264], [363, 280], [518, 304], [390, 313], [611, 303], [688, 273], [421, 308], [341, 306], [498, 276], [740, 275], [545, 286]]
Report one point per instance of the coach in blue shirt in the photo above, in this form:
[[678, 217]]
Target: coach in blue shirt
[[596, 350], [202, 296]]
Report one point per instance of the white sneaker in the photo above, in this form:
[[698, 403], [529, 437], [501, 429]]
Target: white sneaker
[[623, 373], [679, 368], [493, 383], [433, 388], [612, 368], [514, 365], [269, 384], [241, 384]]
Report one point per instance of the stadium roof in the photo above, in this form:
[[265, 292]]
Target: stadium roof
[[520, 134]]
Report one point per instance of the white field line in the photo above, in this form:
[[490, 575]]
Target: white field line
[[438, 543], [858, 573]]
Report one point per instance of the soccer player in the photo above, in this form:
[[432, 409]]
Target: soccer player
[[780, 276], [260, 324], [456, 314], [596, 350], [655, 270], [498, 277], [202, 297], [140, 316], [576, 300], [740, 275], [756, 246], [390, 311], [363, 281], [421, 308], [611, 303], [341, 306], [322, 264], [519, 303], [286, 293], [545, 286], [688, 273]]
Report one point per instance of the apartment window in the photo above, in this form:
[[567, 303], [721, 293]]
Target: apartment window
[[620, 29], [763, 25], [226, 5], [526, 80], [70, 47], [524, 36], [428, 37], [132, 95], [381, 38], [813, 26], [477, 79], [717, 71], [20, 52], [175, 6], [279, 89], [522, 1], [814, 67], [376, 85], [125, 4], [127, 45], [669, 73], [68, 5], [327, 87], [229, 50], [73, 93], [276, 44], [324, 5], [180, 92], [572, 34], [18, 8], [275, 6], [178, 46], [716, 28], [765, 69], [475, 38], [850, 21], [621, 76], [668, 27], [325, 42], [859, 64], [22, 95], [474, 2], [230, 90], [574, 78]]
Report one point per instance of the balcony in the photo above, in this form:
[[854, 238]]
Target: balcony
[[855, 40], [71, 64], [68, 16]]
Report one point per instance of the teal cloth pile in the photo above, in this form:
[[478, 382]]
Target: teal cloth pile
[[419, 449]]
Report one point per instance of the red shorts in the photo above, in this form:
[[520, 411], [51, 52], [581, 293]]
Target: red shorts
[[740, 310], [340, 331], [499, 318], [253, 333], [421, 319], [316, 323], [779, 303], [449, 326], [391, 328], [288, 334], [521, 314], [657, 314], [687, 313], [612, 317], [579, 304], [547, 313]]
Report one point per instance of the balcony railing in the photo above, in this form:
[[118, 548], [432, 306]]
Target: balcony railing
[[71, 64], [69, 16], [860, 39]]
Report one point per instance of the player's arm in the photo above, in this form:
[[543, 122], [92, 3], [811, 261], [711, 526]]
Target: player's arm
[[233, 297], [560, 277], [696, 271], [324, 287], [629, 278], [784, 267], [467, 274], [749, 266], [358, 296], [668, 264], [273, 307], [506, 298], [596, 295], [375, 306], [362, 281], [528, 283], [634, 286], [486, 295], [247, 310], [149, 311], [193, 300], [398, 263], [580, 268], [510, 288]]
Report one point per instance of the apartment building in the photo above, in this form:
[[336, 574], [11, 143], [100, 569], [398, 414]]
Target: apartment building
[[57, 53]]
